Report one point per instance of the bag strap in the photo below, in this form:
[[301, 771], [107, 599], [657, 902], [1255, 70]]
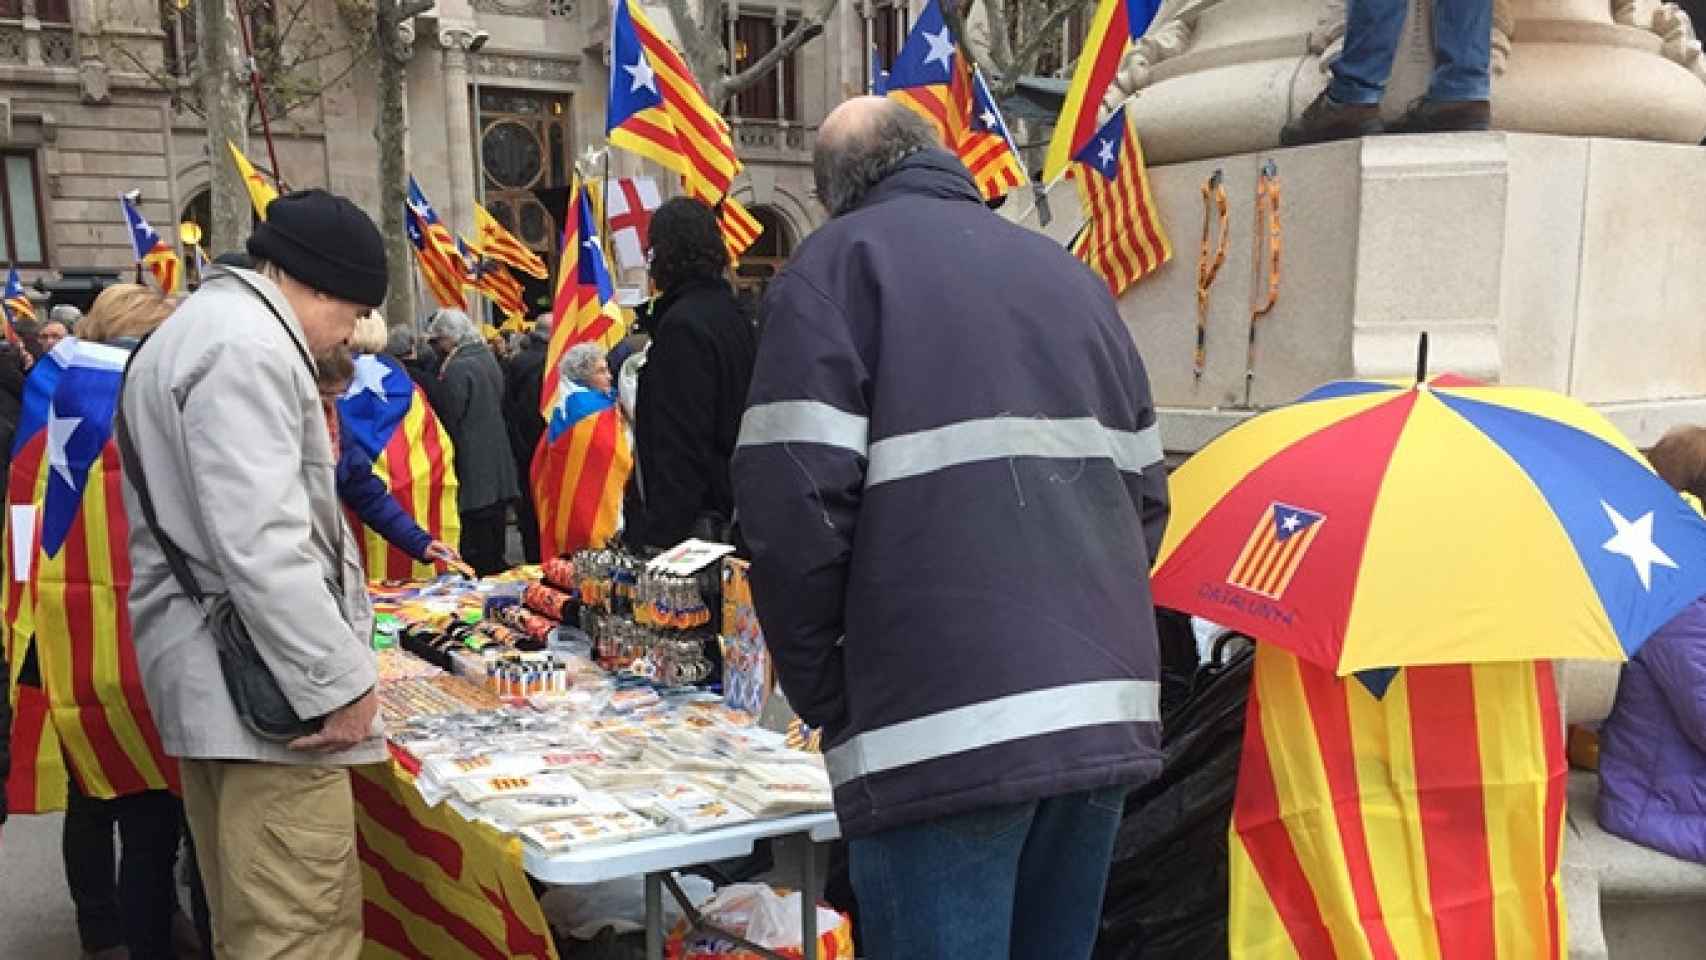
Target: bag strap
[[175, 556]]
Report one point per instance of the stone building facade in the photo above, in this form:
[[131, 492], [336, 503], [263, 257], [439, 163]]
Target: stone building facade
[[87, 112]]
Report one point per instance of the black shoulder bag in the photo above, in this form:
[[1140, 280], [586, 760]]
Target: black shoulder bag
[[260, 702]]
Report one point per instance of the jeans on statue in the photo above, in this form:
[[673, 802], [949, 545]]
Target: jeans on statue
[[1462, 34], [1023, 881]]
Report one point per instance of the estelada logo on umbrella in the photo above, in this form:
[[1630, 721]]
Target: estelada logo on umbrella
[[1276, 549]]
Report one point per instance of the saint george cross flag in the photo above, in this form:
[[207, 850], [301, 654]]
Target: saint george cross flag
[[629, 204]]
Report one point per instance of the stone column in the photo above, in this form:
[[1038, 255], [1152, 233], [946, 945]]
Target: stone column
[[458, 210], [780, 22]]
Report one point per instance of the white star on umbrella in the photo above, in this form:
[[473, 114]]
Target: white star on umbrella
[[1635, 541], [1105, 156], [59, 431], [941, 49], [641, 72], [370, 375]]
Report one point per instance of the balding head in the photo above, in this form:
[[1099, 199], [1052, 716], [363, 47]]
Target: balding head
[[860, 143]]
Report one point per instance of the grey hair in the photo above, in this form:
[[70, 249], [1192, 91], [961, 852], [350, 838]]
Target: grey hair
[[542, 328], [580, 361], [453, 325], [846, 166], [67, 314], [400, 342]]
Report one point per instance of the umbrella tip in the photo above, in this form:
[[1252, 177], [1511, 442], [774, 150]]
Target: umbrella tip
[[1422, 359]]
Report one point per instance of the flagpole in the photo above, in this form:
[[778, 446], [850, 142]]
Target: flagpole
[[255, 86], [1042, 192]]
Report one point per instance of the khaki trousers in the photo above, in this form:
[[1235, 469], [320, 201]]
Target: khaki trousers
[[277, 850]]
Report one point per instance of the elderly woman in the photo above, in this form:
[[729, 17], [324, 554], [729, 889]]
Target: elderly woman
[[469, 402], [586, 364], [1652, 755]]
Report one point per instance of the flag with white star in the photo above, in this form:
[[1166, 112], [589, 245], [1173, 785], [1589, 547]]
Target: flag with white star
[[67, 576], [1122, 239], [922, 76], [436, 250], [985, 145], [387, 418]]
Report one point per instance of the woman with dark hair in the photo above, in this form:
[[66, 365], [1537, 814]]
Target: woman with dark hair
[[693, 387]]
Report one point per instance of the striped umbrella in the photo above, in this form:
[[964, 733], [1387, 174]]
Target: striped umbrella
[[1383, 524]]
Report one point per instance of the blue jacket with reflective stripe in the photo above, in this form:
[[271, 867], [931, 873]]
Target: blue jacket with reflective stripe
[[950, 479]]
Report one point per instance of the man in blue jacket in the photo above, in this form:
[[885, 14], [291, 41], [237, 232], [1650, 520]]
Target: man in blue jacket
[[950, 477]]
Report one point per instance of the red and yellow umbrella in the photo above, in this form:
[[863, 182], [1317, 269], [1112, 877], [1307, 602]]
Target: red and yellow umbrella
[[1379, 524]]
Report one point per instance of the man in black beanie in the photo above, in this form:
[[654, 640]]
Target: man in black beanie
[[230, 440]]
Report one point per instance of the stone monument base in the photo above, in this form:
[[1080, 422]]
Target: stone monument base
[[1574, 264]]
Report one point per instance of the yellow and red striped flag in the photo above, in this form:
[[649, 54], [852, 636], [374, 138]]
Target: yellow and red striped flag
[[580, 471], [152, 251], [583, 307], [1123, 240], [985, 145], [1424, 823], [1116, 25], [66, 476], [261, 191], [493, 242], [436, 885], [388, 418], [436, 250]]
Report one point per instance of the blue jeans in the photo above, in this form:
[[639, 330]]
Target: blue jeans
[[1462, 43], [1022, 881]]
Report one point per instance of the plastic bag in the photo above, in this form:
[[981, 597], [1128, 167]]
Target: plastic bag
[[770, 919], [620, 904]]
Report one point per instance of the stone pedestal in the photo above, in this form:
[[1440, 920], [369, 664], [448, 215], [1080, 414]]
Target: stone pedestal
[[1560, 262]]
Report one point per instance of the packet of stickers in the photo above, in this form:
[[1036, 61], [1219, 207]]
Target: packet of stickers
[[577, 832]]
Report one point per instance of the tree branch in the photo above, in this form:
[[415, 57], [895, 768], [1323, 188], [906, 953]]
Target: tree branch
[[704, 49], [1025, 58], [805, 30]]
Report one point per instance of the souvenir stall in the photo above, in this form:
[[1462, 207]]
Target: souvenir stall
[[593, 719]]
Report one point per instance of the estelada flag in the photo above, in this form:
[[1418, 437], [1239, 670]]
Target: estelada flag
[[583, 307], [1115, 27], [436, 250], [388, 418], [580, 470], [152, 251], [1424, 823], [437, 885], [261, 192], [923, 75], [985, 146], [16, 301], [1123, 240], [66, 480]]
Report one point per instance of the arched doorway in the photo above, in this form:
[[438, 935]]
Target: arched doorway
[[198, 211], [764, 260]]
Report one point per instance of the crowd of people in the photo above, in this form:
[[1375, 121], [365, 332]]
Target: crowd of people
[[967, 620]]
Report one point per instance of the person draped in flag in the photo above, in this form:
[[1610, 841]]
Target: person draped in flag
[[152, 251], [942, 444], [657, 110], [693, 386], [71, 641], [1123, 240], [584, 457], [359, 384], [1115, 26]]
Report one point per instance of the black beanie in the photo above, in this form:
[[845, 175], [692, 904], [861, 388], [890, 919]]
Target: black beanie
[[326, 242]]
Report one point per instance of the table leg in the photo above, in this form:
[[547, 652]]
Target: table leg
[[654, 916], [808, 897]]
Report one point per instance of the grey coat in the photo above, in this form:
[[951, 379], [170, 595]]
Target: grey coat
[[227, 423], [470, 405]]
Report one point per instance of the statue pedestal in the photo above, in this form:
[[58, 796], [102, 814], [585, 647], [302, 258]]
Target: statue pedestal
[[1560, 262]]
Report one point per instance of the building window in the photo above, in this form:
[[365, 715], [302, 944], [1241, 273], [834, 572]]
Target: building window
[[776, 95], [53, 11], [766, 258], [885, 32], [20, 204]]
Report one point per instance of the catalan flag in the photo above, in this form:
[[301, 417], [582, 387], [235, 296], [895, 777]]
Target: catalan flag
[[493, 242], [15, 300], [1123, 240], [1116, 25], [261, 191], [436, 250], [388, 418], [924, 72], [435, 884], [501, 287], [657, 110], [1424, 823], [985, 145], [1275, 550], [580, 471], [583, 308], [65, 476], [151, 250]]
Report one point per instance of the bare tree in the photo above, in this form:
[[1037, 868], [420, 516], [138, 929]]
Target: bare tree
[[219, 81], [1016, 37], [700, 25], [395, 45]]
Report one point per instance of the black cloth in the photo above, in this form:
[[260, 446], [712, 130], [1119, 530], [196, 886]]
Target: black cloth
[[692, 393], [470, 405], [326, 242], [952, 483], [12, 378], [135, 909], [483, 533], [524, 380]]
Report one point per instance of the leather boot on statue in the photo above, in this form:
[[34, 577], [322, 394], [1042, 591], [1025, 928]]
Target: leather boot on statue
[[1443, 116], [1327, 119]]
